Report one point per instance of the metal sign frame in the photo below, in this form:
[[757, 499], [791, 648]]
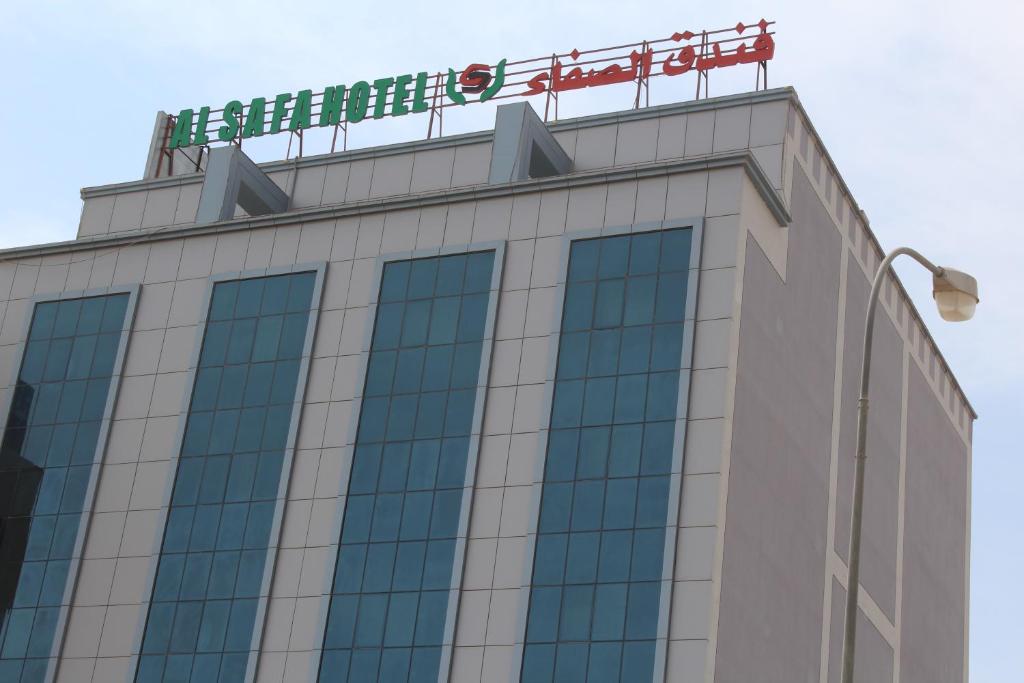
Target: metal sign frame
[[550, 76]]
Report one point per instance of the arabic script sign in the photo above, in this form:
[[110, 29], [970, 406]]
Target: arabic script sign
[[339, 105]]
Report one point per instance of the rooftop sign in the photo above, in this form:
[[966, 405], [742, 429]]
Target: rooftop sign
[[339, 105]]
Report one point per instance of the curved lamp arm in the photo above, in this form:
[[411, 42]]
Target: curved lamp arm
[[853, 582]]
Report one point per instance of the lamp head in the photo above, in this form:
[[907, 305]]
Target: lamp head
[[956, 294]]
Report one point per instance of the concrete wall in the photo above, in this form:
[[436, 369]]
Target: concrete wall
[[758, 567], [770, 614], [874, 657], [786, 498], [933, 632], [882, 477], [687, 130], [108, 605]]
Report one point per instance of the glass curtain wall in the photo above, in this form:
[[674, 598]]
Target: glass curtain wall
[[398, 542], [206, 594], [597, 573], [46, 460]]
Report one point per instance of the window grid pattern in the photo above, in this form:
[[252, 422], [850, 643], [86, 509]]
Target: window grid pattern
[[49, 447], [206, 594], [399, 535], [598, 561]]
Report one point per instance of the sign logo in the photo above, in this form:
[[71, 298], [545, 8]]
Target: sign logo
[[339, 105]]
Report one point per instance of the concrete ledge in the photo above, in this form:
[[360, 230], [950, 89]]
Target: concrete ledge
[[776, 94], [743, 159]]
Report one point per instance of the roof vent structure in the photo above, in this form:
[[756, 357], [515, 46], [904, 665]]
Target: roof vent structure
[[524, 147], [232, 179]]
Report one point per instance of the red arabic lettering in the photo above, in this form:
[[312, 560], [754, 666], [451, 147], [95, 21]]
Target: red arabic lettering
[[561, 79], [685, 59], [536, 84]]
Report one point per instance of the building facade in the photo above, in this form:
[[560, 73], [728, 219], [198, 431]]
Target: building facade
[[564, 402]]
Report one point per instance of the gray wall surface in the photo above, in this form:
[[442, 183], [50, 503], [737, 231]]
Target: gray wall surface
[[932, 633], [775, 529], [874, 661], [882, 471]]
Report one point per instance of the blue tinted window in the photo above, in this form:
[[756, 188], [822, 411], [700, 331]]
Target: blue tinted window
[[594, 604], [49, 446], [394, 569], [204, 601]]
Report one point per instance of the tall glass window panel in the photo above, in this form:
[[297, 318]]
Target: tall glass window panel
[[46, 459], [206, 593], [595, 592], [396, 556]]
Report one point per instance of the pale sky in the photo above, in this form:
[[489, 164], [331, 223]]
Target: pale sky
[[918, 102]]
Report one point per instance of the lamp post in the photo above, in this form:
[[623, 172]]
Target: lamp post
[[956, 295]]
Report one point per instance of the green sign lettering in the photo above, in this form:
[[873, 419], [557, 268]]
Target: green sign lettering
[[254, 121], [232, 120], [280, 110], [201, 138], [358, 100], [401, 94], [449, 88], [419, 98], [302, 112], [495, 86], [408, 94], [330, 110], [380, 100], [181, 136]]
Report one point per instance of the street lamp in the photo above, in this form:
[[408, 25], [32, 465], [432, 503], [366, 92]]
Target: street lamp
[[956, 295]]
